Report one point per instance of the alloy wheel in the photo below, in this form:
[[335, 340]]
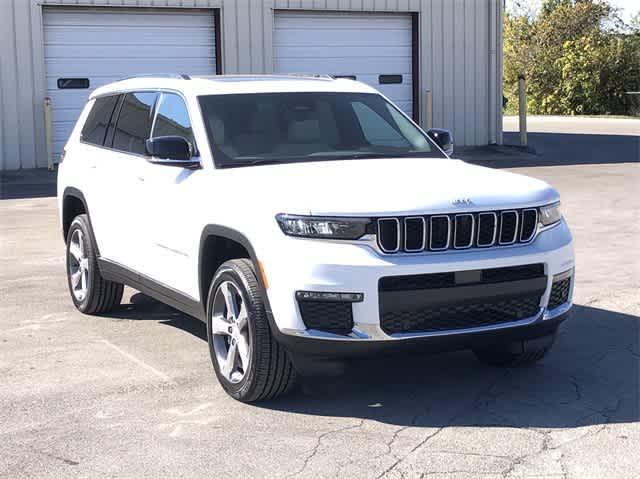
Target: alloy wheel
[[78, 265], [230, 330]]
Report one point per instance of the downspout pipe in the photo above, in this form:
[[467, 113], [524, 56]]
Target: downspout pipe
[[493, 70]]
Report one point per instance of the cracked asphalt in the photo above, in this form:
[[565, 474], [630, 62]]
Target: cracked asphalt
[[133, 394]]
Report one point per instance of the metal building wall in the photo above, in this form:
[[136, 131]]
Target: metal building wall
[[460, 60]]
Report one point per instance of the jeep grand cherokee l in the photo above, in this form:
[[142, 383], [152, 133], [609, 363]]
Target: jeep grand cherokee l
[[306, 220]]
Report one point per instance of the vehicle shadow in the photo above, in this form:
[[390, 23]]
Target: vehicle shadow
[[590, 377], [555, 149], [144, 308]]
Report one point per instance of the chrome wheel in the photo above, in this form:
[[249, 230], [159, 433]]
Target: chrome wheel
[[230, 330], [78, 265]]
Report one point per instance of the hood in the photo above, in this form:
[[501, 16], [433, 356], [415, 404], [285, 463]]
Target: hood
[[381, 187]]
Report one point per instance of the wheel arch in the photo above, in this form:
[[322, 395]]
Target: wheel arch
[[73, 204], [219, 244]]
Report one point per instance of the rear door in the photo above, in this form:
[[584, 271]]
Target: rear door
[[122, 180], [94, 161]]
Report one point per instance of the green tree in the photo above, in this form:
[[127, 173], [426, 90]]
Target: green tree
[[573, 61]]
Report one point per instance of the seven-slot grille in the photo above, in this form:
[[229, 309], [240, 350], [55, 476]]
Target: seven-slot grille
[[415, 234]]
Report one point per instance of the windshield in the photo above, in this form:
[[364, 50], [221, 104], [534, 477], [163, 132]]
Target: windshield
[[248, 129]]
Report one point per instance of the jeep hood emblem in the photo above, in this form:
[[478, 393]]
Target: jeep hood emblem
[[462, 202]]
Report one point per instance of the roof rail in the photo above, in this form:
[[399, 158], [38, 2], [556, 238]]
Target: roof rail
[[265, 76], [180, 76], [310, 75]]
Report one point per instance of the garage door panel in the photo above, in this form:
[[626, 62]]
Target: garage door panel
[[98, 36], [334, 21], [383, 51], [88, 52], [331, 38], [69, 17], [117, 66], [106, 45], [365, 45]]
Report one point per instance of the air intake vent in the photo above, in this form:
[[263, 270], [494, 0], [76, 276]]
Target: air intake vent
[[463, 231], [414, 234], [487, 223], [389, 234], [508, 227], [529, 225], [440, 232]]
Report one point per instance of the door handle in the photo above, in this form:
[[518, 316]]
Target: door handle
[[140, 178]]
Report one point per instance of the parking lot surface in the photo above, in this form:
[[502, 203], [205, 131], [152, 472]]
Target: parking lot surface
[[133, 394]]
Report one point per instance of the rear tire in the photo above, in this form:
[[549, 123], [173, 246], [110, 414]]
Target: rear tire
[[249, 363], [90, 292]]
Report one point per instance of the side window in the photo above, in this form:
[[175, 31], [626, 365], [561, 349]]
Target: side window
[[95, 127], [172, 118], [134, 122], [377, 130]]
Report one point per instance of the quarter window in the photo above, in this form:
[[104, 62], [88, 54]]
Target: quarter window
[[95, 127], [172, 118], [134, 122]]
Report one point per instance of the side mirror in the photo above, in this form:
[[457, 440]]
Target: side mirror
[[170, 151], [444, 139]]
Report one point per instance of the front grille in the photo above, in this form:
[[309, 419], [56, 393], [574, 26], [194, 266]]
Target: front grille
[[331, 316], [456, 231], [461, 299], [559, 293], [461, 316]]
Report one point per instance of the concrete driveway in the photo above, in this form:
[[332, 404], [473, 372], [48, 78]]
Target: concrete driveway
[[133, 394]]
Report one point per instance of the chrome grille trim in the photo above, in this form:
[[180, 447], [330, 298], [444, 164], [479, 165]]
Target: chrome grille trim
[[515, 229], [431, 232], [424, 234], [480, 225], [495, 229], [535, 228], [380, 223], [455, 231]]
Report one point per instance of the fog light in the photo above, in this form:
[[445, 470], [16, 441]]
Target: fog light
[[324, 296]]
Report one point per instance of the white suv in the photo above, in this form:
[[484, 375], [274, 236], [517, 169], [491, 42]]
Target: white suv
[[306, 220]]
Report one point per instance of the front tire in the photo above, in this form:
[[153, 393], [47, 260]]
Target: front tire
[[90, 292], [250, 365]]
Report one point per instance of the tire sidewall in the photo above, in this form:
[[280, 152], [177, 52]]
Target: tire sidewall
[[228, 272], [79, 224]]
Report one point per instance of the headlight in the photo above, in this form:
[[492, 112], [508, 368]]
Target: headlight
[[550, 214], [317, 227]]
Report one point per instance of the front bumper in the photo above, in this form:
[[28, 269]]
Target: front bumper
[[357, 268]]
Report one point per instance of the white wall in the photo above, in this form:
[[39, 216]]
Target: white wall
[[455, 40]]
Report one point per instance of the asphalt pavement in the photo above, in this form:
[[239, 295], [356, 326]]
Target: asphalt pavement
[[132, 394]]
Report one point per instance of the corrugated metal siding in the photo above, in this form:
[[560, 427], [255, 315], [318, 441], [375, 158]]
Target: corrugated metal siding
[[454, 63]]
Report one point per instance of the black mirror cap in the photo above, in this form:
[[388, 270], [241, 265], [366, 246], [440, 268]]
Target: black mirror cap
[[443, 138], [173, 148]]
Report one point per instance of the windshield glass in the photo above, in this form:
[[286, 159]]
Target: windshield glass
[[247, 129]]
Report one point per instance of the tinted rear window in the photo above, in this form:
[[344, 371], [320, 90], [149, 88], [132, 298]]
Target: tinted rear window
[[134, 122], [96, 125]]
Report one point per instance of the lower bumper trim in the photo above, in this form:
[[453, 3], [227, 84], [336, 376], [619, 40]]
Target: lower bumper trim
[[322, 344]]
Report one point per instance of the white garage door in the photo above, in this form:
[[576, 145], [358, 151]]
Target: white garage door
[[105, 45], [376, 48]]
